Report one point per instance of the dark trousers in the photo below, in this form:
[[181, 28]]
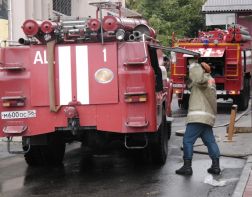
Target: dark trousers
[[195, 130]]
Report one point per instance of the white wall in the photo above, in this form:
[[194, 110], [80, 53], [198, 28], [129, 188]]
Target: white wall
[[20, 10], [4, 29], [220, 19], [83, 9]]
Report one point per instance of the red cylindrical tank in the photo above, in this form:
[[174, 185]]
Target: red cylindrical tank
[[242, 38], [230, 30], [145, 29], [31, 27], [94, 24], [48, 26], [201, 34], [241, 31], [112, 23], [229, 37]]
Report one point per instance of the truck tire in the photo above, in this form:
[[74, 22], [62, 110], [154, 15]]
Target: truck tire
[[33, 157], [169, 125], [51, 154], [184, 102], [243, 99], [159, 145]]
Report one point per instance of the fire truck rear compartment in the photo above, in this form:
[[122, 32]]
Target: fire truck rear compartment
[[217, 65], [135, 136]]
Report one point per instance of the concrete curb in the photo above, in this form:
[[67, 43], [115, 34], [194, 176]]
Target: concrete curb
[[240, 187], [2, 139], [15, 139]]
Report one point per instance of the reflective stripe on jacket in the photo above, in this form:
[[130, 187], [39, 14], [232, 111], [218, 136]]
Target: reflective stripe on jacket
[[203, 99]]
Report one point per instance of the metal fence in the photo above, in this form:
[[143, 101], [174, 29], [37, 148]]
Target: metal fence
[[62, 6]]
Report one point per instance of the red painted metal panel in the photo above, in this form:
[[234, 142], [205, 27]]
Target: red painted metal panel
[[98, 93], [103, 56], [208, 52], [110, 118], [107, 109], [135, 78], [39, 76]]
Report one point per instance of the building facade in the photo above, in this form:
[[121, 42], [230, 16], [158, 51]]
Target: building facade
[[20, 10], [3, 20], [226, 12], [3, 9]]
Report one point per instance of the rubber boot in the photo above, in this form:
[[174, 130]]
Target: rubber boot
[[215, 167], [186, 169]]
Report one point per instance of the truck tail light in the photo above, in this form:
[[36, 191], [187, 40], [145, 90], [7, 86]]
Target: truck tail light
[[13, 101], [14, 129], [178, 91], [135, 97], [233, 92]]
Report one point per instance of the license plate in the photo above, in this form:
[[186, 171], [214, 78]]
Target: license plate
[[18, 114], [178, 85]]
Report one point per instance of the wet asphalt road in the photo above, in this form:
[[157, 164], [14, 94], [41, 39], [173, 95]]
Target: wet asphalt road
[[117, 174]]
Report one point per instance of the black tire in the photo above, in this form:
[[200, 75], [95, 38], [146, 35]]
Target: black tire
[[33, 157], [54, 152], [159, 145], [184, 102], [243, 99], [140, 156], [168, 128], [51, 154]]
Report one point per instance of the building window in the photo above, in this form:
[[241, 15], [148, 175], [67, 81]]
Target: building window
[[3, 9], [62, 6]]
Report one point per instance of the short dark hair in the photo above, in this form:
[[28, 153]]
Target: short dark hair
[[165, 58]]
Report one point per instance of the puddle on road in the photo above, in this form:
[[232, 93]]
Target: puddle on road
[[13, 184]]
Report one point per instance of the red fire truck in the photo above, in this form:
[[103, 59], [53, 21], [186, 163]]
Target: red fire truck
[[229, 55], [95, 80]]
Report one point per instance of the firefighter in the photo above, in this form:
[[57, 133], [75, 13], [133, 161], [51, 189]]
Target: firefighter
[[201, 117], [166, 64]]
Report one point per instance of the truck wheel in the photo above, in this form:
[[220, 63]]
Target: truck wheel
[[159, 145], [168, 128], [184, 102], [33, 157], [55, 150], [51, 154], [243, 99]]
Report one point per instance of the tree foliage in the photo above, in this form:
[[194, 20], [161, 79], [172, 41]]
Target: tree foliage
[[184, 17]]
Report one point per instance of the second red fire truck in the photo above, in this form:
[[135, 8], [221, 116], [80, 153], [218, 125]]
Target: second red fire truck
[[229, 54]]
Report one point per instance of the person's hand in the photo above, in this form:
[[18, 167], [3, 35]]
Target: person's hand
[[206, 67]]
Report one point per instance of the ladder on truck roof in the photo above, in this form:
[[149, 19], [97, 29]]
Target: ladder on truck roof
[[115, 7]]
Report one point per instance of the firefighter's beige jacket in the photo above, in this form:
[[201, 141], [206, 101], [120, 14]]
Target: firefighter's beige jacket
[[203, 100]]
